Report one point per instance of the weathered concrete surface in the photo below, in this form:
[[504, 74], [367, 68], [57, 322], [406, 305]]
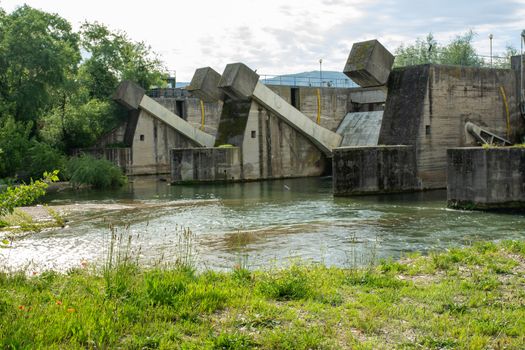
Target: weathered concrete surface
[[428, 106], [128, 94], [361, 129], [322, 138], [241, 83], [205, 164], [336, 103], [183, 103], [197, 136], [369, 64], [492, 178], [238, 81], [373, 170], [273, 149], [232, 123], [204, 85]]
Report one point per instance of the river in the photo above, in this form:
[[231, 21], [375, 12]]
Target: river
[[257, 224]]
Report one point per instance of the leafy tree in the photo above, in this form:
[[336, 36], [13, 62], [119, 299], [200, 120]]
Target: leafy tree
[[114, 57], [422, 52], [461, 52], [37, 51], [14, 143]]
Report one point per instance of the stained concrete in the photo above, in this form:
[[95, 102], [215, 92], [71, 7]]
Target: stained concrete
[[369, 64], [428, 106], [238, 81], [322, 138], [204, 85], [480, 178], [373, 170], [360, 129], [205, 164], [129, 93]]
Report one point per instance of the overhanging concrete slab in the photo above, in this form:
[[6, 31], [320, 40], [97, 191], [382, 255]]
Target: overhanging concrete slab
[[128, 94], [204, 85], [369, 63], [238, 81]]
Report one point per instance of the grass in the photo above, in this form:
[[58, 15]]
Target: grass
[[469, 298]]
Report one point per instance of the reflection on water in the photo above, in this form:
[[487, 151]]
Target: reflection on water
[[269, 222]]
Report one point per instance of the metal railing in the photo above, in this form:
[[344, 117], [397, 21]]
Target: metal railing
[[290, 80]]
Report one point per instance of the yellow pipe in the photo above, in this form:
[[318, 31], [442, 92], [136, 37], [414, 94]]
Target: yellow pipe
[[319, 106], [202, 115], [504, 96]]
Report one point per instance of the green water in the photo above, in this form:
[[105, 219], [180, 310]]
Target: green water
[[260, 223]]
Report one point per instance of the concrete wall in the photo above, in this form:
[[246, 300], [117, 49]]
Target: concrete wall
[[335, 102], [428, 106], [192, 111], [273, 149], [152, 143], [481, 178], [205, 164], [373, 170]]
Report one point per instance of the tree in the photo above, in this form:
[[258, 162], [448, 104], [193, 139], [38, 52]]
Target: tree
[[459, 51], [422, 52], [38, 50], [114, 57]]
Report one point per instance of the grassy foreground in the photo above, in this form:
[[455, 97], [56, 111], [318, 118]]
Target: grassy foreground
[[464, 298]]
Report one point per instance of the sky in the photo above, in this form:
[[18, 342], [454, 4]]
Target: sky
[[283, 37]]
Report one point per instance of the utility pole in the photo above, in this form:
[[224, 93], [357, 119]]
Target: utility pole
[[491, 37], [320, 72]]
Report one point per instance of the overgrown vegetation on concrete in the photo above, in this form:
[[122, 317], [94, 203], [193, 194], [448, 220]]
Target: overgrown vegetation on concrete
[[463, 298]]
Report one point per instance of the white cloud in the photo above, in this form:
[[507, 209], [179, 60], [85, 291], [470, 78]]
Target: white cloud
[[286, 37]]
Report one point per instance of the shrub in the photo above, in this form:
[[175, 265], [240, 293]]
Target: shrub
[[97, 173], [45, 158], [24, 194]]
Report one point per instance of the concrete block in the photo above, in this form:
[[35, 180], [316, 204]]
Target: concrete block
[[374, 170], [205, 165], [204, 85], [238, 81], [486, 179], [129, 94], [369, 64]]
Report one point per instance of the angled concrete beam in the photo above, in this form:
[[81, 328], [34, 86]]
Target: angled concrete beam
[[369, 64], [204, 85], [133, 96], [240, 81]]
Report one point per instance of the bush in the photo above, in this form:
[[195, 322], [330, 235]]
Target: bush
[[97, 173], [25, 194], [14, 145], [44, 158]]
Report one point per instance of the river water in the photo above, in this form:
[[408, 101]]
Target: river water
[[258, 224]]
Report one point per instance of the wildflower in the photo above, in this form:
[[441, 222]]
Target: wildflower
[[21, 307], [58, 302]]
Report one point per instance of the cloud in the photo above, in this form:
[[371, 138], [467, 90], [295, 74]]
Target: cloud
[[279, 38]]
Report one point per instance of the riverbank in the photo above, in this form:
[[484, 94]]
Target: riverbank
[[463, 298]]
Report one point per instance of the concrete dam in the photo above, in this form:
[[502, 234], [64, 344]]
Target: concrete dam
[[389, 135]]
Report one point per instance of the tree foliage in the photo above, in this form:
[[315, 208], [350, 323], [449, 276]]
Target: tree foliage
[[38, 51], [25, 194], [460, 51], [56, 86]]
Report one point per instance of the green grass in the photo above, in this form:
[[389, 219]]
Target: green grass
[[472, 298]]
